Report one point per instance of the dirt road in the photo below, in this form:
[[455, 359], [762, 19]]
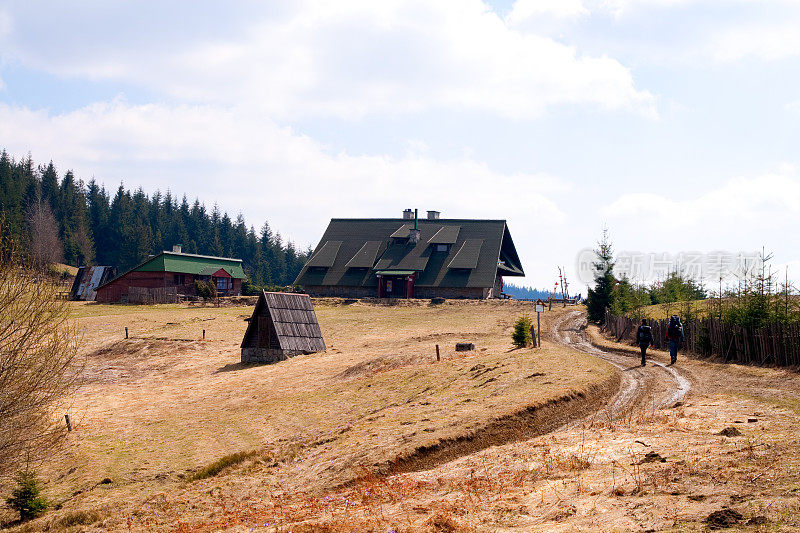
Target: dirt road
[[655, 383], [632, 466]]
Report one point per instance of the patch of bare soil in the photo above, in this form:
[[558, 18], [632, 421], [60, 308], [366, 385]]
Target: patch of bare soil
[[132, 359], [724, 518], [532, 421], [380, 364]]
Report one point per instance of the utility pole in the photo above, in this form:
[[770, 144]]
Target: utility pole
[[562, 280]]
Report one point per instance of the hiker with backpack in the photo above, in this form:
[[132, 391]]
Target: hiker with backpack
[[675, 338], [644, 336]]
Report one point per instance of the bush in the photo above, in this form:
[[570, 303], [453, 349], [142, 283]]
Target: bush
[[252, 289], [222, 463], [25, 499], [205, 289], [522, 336]]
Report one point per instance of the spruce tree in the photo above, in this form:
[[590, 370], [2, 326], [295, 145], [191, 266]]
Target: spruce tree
[[522, 337], [122, 227], [600, 296], [26, 498]]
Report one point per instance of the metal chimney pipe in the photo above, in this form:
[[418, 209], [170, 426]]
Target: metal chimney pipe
[[414, 234]]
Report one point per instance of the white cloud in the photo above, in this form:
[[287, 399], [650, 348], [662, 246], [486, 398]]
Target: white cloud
[[347, 59], [5, 23], [523, 10], [741, 215], [767, 42], [246, 162], [771, 199], [619, 7]]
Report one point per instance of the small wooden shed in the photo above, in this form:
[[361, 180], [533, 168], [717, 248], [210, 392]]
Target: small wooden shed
[[283, 325]]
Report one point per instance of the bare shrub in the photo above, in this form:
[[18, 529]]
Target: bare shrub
[[46, 247], [38, 359]]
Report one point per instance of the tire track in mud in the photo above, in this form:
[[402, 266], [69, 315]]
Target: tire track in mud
[[633, 385], [637, 383]]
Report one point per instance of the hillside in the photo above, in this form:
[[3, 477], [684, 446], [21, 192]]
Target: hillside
[[162, 405]]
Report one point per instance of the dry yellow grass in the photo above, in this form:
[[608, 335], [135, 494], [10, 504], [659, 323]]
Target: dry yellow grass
[[164, 403], [696, 308], [653, 469], [62, 269]]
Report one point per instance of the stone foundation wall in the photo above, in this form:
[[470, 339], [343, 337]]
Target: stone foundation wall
[[328, 291], [473, 293], [267, 355], [321, 291]]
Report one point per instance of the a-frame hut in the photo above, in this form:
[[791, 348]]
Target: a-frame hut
[[283, 325]]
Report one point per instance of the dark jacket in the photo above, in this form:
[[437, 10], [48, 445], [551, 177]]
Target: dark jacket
[[644, 335]]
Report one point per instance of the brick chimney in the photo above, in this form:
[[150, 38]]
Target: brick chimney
[[433, 215], [176, 248], [408, 214]]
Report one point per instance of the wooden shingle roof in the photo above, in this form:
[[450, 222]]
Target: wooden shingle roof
[[294, 320]]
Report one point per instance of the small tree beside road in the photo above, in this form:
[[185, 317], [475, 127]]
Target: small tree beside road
[[600, 297], [522, 336]]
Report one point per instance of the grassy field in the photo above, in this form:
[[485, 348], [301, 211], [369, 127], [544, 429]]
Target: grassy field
[[165, 406]]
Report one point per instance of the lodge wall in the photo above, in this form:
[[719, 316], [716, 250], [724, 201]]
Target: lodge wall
[[117, 291]]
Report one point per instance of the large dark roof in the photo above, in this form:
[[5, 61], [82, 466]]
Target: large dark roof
[[352, 250]]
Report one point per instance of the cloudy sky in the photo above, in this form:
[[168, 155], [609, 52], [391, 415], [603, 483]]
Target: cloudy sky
[[675, 123]]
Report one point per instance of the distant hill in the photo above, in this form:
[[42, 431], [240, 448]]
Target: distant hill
[[525, 293]]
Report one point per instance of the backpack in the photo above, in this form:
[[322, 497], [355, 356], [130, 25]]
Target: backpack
[[645, 334], [674, 330]]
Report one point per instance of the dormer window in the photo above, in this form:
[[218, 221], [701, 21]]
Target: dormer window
[[444, 238]]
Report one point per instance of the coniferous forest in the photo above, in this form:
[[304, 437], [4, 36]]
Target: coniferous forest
[[62, 219]]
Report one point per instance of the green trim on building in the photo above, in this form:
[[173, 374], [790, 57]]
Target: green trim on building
[[191, 264]]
